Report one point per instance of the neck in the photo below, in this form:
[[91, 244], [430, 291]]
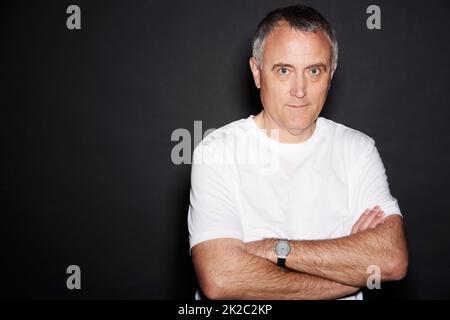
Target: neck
[[283, 135]]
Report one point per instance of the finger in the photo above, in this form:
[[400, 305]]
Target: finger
[[372, 214], [363, 216], [376, 220]]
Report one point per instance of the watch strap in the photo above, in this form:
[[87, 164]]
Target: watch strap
[[281, 262]]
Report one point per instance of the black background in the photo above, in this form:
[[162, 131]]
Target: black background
[[87, 117]]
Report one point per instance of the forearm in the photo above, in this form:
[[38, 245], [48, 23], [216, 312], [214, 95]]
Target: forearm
[[246, 276], [346, 259]]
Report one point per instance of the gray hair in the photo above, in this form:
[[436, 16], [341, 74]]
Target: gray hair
[[301, 18]]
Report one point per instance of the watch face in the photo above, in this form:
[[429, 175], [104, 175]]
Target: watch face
[[283, 248]]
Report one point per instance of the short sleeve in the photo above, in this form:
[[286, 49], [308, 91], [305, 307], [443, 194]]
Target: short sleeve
[[213, 210], [368, 182]]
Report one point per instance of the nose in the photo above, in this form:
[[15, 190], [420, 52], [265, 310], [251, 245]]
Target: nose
[[298, 86]]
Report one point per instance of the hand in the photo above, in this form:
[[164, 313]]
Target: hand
[[368, 220]]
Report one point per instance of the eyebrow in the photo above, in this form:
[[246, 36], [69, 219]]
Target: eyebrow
[[282, 64]]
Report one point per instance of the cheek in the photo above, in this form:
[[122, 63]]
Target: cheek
[[318, 91], [274, 92]]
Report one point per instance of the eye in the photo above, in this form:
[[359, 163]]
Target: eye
[[284, 71], [314, 71]]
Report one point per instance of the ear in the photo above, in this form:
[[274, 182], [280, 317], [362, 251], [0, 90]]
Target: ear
[[331, 77], [332, 72], [256, 72]]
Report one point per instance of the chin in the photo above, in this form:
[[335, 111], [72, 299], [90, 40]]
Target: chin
[[299, 123]]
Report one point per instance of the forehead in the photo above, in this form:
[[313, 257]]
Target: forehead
[[288, 45]]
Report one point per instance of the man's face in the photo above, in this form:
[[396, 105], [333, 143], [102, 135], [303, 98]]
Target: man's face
[[294, 77]]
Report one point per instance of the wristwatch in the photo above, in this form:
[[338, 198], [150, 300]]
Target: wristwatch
[[282, 249]]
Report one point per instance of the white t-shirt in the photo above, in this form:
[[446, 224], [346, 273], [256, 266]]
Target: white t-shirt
[[248, 186]]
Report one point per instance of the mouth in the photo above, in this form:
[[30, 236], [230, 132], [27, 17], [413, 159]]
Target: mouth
[[303, 106]]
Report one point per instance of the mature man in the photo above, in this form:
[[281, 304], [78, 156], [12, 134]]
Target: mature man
[[287, 204]]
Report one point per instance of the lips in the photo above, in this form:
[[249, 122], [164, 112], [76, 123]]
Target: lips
[[297, 106]]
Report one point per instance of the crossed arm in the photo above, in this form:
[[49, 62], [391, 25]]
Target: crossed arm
[[321, 269]]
